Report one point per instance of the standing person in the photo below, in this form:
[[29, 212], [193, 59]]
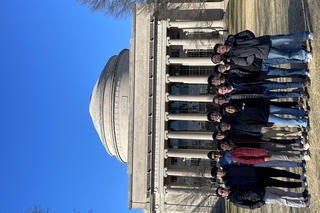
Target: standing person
[[225, 145], [262, 112], [253, 131], [244, 47], [224, 159], [261, 90], [252, 197], [234, 175], [246, 155], [260, 70], [219, 100]]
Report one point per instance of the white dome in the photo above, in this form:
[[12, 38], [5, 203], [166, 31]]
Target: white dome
[[109, 105]]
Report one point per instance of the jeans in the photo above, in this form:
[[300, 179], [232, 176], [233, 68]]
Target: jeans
[[278, 40], [294, 53], [287, 121], [266, 69], [278, 163], [279, 196], [280, 147], [266, 94], [286, 111], [298, 55], [285, 156]]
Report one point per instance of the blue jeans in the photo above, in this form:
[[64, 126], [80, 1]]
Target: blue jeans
[[266, 94], [287, 121], [286, 111], [266, 69], [295, 56], [278, 40], [292, 52]]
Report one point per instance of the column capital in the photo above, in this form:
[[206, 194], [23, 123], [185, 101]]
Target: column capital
[[167, 78], [166, 135], [168, 41], [165, 169], [165, 189], [168, 60], [167, 97], [166, 116], [165, 154]]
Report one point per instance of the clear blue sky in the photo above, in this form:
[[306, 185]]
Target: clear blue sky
[[52, 53]]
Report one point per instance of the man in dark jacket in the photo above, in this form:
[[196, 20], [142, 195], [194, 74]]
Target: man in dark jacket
[[261, 112], [252, 197], [244, 47], [234, 175], [260, 70], [261, 90], [253, 131]]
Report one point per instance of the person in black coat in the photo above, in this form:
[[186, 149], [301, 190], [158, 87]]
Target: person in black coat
[[261, 112], [244, 47], [260, 71], [252, 197], [235, 175]]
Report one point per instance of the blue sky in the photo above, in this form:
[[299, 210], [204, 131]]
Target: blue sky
[[52, 53]]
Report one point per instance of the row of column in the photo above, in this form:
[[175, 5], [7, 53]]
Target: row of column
[[190, 26]]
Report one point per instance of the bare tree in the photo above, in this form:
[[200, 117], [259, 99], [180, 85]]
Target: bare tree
[[39, 209], [162, 9]]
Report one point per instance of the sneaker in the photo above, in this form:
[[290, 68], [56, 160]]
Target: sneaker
[[306, 157], [305, 193], [302, 165], [303, 176], [310, 35], [309, 55], [308, 74], [308, 201], [306, 146], [306, 83], [300, 106], [305, 136], [305, 95], [304, 185], [307, 128], [307, 112]]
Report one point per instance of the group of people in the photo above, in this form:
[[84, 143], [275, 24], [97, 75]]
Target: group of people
[[245, 113]]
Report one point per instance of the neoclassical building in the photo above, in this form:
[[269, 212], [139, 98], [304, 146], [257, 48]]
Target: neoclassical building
[[148, 108]]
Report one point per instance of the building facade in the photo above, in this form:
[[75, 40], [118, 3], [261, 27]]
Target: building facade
[[147, 107]]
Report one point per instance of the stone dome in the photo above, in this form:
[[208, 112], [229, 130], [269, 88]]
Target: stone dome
[[109, 106]]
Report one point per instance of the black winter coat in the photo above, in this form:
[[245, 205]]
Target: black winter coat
[[246, 48], [249, 197], [249, 112]]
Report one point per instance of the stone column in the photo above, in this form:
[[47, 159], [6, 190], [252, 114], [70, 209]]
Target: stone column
[[186, 116], [187, 153], [188, 135], [190, 61], [188, 172], [206, 6], [196, 24], [187, 79], [194, 43], [190, 98], [169, 190]]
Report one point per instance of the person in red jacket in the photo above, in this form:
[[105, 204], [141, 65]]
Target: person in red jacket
[[247, 155]]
